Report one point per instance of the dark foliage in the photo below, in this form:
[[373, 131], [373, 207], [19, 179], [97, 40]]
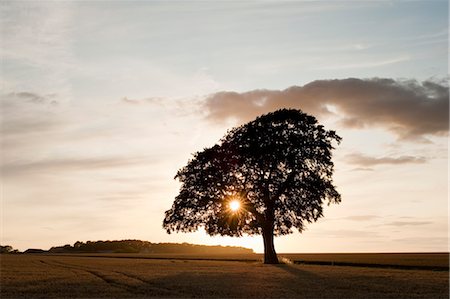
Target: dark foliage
[[138, 246], [8, 249], [278, 166], [35, 250]]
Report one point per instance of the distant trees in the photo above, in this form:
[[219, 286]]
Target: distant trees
[[8, 249], [5, 249], [133, 246], [138, 246], [35, 250], [265, 177], [124, 246]]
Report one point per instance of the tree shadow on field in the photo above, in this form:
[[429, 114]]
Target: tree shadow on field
[[264, 282], [295, 270], [203, 285]]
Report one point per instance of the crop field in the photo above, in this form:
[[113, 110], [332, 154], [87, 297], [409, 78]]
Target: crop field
[[434, 261], [425, 261], [121, 276]]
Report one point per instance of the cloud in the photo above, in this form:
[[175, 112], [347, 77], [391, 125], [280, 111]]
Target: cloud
[[27, 112], [160, 101], [408, 223], [68, 164], [361, 217], [408, 108], [367, 161], [362, 169], [13, 99], [33, 97], [364, 65], [348, 233]]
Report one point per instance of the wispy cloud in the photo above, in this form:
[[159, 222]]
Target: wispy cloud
[[65, 165], [362, 169], [348, 233], [367, 161], [36, 40], [361, 217], [408, 108], [42, 136], [408, 223], [364, 65], [24, 113], [33, 97]]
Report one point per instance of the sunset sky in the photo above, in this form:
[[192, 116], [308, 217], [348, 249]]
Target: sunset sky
[[102, 102]]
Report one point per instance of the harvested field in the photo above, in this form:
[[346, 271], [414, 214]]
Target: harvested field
[[47, 276], [431, 261], [414, 261]]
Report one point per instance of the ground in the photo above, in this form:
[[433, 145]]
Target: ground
[[47, 276]]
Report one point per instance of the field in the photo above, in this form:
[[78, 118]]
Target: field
[[131, 276], [414, 261], [430, 261]]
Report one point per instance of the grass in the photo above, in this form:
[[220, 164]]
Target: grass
[[50, 276]]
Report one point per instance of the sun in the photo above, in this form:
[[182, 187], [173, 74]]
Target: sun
[[234, 205]]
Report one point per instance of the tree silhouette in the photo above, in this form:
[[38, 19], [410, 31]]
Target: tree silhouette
[[6, 249], [278, 167]]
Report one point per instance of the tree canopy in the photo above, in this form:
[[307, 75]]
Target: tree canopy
[[278, 167]]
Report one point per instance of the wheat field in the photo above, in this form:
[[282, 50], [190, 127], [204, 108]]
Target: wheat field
[[47, 276]]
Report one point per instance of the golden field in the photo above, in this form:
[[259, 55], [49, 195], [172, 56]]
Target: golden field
[[143, 276]]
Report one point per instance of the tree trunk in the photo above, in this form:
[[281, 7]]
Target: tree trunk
[[270, 256]]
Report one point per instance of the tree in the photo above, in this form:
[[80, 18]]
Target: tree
[[6, 249], [277, 169]]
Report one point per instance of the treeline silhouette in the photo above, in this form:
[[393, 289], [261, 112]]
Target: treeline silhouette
[[8, 249], [138, 246]]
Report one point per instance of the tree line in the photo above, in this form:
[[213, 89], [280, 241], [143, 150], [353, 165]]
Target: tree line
[[135, 246], [8, 249]]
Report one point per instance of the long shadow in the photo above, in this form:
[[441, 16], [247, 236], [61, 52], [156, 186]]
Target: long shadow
[[374, 265], [295, 270]]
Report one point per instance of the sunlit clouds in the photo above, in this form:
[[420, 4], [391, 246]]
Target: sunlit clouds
[[408, 108]]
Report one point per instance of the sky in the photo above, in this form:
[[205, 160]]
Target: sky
[[102, 102]]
